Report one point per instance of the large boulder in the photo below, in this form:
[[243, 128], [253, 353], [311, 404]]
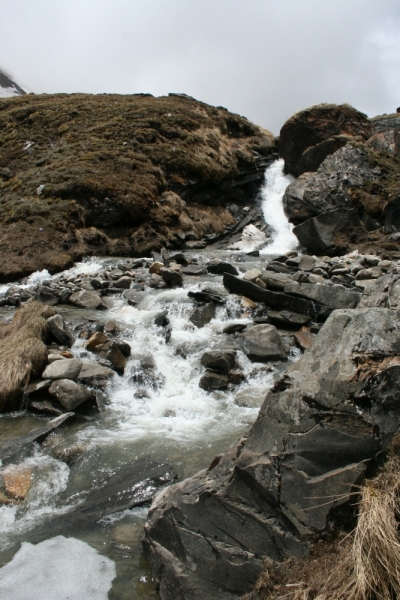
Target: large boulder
[[334, 296], [320, 234], [60, 330], [87, 299], [310, 135], [330, 417]]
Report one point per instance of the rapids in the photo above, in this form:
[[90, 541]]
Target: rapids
[[173, 421]]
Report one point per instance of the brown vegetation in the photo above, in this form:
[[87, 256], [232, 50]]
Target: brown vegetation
[[22, 351], [83, 174]]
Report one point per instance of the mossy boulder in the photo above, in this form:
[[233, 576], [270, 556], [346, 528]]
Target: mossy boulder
[[117, 175], [310, 135]]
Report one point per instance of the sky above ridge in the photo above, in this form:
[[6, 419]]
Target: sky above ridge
[[263, 59]]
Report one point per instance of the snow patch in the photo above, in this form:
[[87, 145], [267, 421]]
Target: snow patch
[[62, 568]]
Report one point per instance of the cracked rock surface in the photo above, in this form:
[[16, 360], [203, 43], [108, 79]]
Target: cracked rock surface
[[317, 432]]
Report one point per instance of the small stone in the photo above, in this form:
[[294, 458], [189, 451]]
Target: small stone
[[123, 283], [96, 339], [304, 339], [306, 263], [69, 393], [110, 327], [213, 381], [86, 299], [17, 481], [247, 303], [171, 276], [252, 275], [235, 327], [203, 314]]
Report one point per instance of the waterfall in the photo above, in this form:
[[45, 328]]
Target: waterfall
[[283, 239]]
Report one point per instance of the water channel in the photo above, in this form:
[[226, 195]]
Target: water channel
[[174, 422]]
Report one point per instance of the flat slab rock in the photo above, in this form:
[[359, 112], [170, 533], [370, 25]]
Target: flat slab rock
[[314, 437]]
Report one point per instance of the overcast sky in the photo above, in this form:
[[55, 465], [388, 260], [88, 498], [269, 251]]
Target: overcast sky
[[260, 58]]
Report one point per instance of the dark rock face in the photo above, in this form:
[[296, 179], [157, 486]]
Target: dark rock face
[[213, 381], [331, 186], [318, 430], [310, 135], [318, 234], [203, 314]]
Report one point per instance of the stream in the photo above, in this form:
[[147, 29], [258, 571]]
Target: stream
[[166, 418]]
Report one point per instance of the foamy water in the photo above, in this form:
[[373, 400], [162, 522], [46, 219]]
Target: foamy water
[[283, 239]]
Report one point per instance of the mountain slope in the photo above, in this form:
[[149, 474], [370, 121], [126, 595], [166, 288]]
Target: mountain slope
[[8, 87]]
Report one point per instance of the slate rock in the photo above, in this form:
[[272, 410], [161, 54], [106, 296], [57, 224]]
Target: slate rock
[[316, 433], [60, 331], [334, 296], [286, 318], [69, 393], [262, 343], [68, 368]]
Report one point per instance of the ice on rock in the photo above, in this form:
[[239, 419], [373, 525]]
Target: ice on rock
[[57, 569]]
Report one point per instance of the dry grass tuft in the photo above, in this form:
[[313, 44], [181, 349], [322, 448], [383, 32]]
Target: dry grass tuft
[[22, 351], [367, 560]]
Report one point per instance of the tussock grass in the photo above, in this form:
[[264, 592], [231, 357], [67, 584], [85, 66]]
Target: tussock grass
[[366, 562], [22, 351]]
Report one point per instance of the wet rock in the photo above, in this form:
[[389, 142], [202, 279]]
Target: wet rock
[[235, 327], [17, 481], [207, 296], [219, 268], [60, 331], [262, 343], [69, 393], [247, 303], [94, 375], [37, 386], [272, 299], [101, 400], [132, 485], [213, 381], [45, 296], [286, 318], [203, 314], [16, 449], [171, 276], [307, 263], [155, 267], [123, 346], [161, 320], [89, 300], [123, 283], [223, 360], [68, 368], [334, 296], [134, 297], [179, 258], [94, 340], [45, 407], [112, 353]]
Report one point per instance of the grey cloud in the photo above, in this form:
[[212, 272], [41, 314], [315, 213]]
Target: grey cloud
[[259, 58]]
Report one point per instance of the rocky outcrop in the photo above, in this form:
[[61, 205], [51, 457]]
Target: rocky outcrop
[[119, 175], [355, 190], [310, 135], [319, 429]]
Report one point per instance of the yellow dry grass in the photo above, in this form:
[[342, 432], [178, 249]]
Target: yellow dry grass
[[22, 351]]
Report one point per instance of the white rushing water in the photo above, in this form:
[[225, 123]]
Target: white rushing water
[[283, 239]]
